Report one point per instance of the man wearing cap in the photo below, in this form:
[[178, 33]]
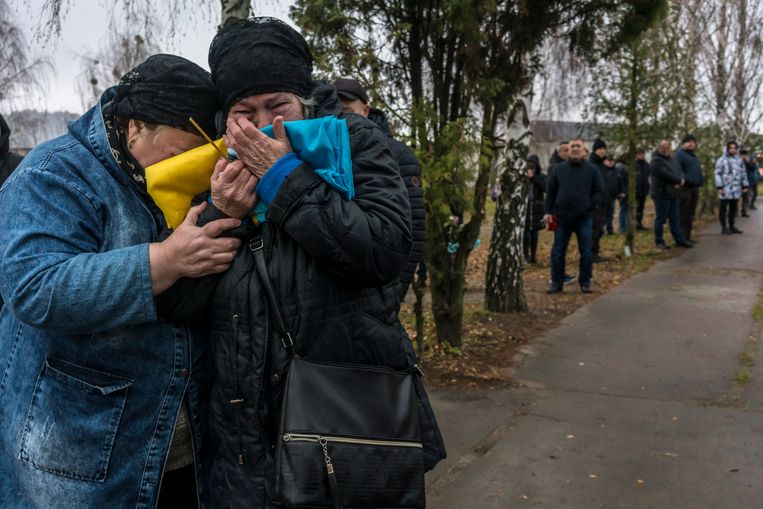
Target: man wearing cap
[[694, 179], [355, 100], [333, 262]]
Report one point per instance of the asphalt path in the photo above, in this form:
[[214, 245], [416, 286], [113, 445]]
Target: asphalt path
[[650, 396]]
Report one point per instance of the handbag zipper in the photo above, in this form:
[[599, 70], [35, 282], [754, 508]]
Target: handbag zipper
[[304, 437], [368, 367]]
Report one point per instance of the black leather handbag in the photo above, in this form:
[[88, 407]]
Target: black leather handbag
[[349, 434]]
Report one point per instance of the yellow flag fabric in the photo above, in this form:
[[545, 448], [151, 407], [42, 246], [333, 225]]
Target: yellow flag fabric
[[174, 182]]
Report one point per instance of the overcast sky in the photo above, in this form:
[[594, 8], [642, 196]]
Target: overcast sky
[[85, 27]]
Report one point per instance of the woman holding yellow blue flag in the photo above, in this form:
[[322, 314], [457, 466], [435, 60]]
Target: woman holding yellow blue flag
[[100, 400], [332, 233]]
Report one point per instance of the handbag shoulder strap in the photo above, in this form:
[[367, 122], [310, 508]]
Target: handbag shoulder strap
[[255, 246]]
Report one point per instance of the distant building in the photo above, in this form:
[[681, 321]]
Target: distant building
[[29, 128], [548, 133]]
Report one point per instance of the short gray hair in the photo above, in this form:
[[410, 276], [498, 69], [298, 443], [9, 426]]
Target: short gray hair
[[307, 105]]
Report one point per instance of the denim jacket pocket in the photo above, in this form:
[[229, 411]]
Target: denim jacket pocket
[[73, 419]]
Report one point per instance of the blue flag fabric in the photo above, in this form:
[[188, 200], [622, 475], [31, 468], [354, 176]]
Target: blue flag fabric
[[324, 144]]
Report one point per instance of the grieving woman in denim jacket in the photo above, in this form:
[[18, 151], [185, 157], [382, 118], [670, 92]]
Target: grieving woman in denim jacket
[[100, 401]]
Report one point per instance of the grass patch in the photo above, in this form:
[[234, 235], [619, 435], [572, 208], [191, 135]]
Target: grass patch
[[757, 311], [490, 208], [743, 377], [747, 359]]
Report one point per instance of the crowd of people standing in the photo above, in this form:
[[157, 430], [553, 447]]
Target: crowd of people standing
[[579, 193]]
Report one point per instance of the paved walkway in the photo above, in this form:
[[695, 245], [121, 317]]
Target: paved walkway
[[630, 403]]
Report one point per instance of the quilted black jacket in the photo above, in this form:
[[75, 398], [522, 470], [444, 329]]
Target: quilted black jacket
[[334, 265], [410, 170]]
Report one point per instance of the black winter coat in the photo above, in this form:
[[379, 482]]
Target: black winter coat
[[614, 184], [410, 170], [334, 266], [665, 174], [573, 189], [691, 168], [642, 179]]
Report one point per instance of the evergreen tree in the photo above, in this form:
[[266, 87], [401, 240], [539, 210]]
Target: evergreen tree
[[452, 71]]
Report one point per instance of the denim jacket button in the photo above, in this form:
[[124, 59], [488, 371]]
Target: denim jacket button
[[184, 373]]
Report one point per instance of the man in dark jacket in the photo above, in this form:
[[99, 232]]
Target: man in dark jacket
[[355, 100], [667, 179], [8, 160], [598, 154], [560, 155], [573, 189], [333, 263], [694, 179]]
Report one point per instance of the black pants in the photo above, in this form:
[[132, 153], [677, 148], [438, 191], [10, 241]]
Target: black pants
[[530, 244], [748, 200], [599, 223], [728, 210], [689, 197], [178, 489], [610, 217], [640, 203]]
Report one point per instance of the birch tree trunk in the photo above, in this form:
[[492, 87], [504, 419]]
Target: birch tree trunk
[[504, 287], [235, 9]]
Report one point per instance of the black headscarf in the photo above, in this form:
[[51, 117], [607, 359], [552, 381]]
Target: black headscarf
[[163, 90], [167, 89], [259, 56]]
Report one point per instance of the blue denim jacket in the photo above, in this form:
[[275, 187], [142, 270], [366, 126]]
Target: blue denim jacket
[[91, 381]]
